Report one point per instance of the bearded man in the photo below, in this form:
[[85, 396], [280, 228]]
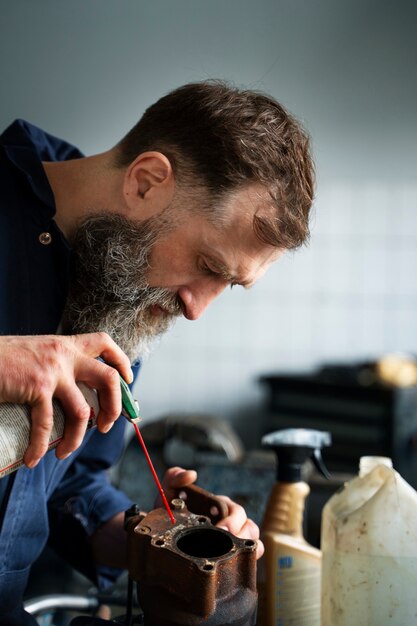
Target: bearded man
[[99, 255]]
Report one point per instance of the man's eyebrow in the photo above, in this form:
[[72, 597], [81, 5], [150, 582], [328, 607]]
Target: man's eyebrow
[[221, 269]]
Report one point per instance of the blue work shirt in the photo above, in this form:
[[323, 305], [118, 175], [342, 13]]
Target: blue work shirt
[[63, 501]]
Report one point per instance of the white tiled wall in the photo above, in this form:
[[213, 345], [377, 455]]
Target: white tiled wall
[[351, 295]]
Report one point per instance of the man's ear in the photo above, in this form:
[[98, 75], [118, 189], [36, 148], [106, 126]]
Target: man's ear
[[148, 185]]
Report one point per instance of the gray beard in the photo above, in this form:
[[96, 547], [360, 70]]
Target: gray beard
[[108, 289]]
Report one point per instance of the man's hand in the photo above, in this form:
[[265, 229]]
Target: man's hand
[[36, 368], [235, 522]]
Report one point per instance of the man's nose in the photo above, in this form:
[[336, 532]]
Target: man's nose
[[196, 297]]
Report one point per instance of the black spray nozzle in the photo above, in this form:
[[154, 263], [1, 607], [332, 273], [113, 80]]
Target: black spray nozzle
[[293, 447]]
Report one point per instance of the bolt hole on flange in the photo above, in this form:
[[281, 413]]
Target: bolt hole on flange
[[159, 542], [204, 543], [249, 543], [208, 567]]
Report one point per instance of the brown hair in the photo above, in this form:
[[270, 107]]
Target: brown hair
[[222, 138]]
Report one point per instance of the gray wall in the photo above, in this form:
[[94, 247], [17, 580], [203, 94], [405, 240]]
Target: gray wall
[[86, 69]]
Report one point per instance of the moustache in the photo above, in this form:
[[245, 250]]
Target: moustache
[[169, 302]]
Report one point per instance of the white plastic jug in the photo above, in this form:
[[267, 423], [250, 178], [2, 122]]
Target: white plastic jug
[[369, 550]]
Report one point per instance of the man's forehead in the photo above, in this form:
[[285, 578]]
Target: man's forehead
[[248, 200], [239, 255]]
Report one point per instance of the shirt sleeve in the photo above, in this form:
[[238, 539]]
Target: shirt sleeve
[[85, 499]]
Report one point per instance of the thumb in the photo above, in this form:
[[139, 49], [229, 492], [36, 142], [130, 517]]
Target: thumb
[[177, 477]]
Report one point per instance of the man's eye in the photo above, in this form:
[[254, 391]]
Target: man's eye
[[216, 273], [207, 270]]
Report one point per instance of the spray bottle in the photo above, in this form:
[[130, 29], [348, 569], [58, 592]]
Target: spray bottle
[[16, 424], [289, 573], [15, 428]]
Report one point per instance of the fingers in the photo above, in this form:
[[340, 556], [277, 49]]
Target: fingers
[[250, 530], [240, 525], [38, 368], [42, 421], [236, 517], [101, 344], [104, 377], [260, 548], [74, 404], [106, 381], [175, 478]]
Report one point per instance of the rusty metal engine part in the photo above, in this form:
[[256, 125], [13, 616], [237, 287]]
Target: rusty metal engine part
[[192, 572]]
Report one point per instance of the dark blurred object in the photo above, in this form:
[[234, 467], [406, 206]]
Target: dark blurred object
[[193, 434], [392, 370], [366, 413], [399, 370]]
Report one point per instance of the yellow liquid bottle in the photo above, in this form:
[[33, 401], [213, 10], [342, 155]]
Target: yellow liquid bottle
[[290, 571]]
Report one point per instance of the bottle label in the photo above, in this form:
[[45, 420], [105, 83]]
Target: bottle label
[[297, 598]]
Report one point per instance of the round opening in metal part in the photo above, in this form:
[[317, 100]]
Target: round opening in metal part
[[208, 567], [204, 542]]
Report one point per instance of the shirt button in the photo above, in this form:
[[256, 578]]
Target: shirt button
[[45, 238]]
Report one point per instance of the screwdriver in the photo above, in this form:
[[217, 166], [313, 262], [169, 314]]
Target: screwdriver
[[130, 410]]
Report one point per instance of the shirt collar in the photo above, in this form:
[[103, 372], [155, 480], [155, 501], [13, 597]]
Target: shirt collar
[[27, 146]]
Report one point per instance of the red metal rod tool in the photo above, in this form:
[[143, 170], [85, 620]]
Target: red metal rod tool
[[132, 414]]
